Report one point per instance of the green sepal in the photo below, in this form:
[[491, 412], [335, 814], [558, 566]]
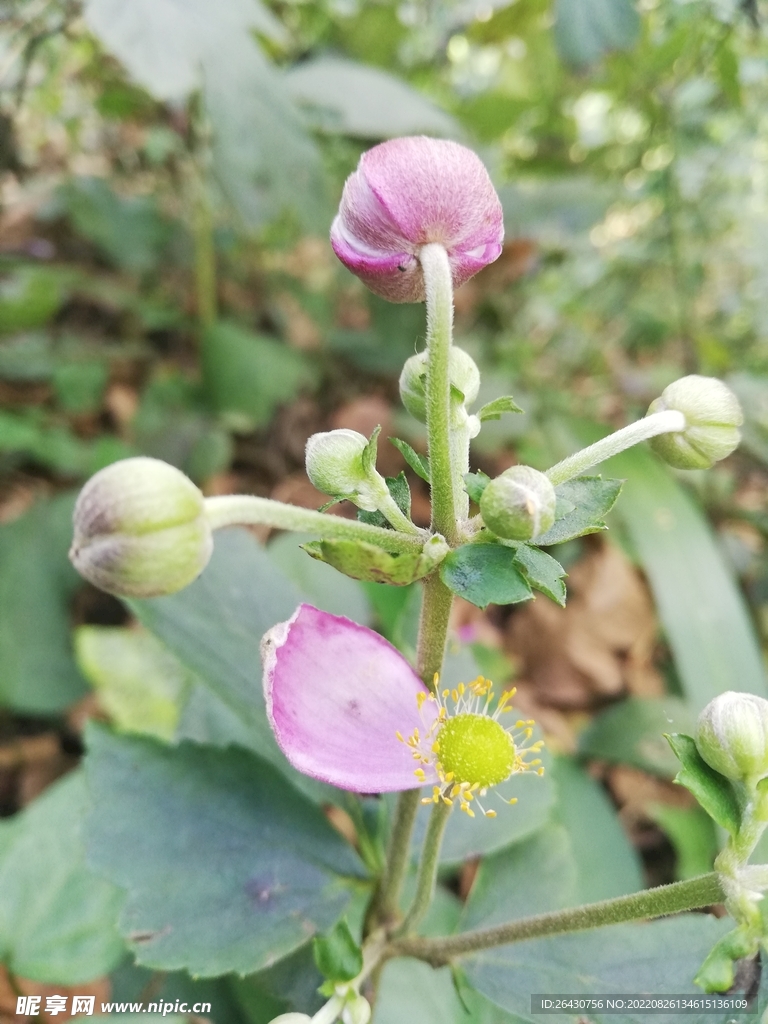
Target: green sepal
[[712, 790], [418, 463], [485, 574], [363, 561], [401, 492], [494, 410], [717, 973], [475, 484], [337, 955], [368, 454], [542, 571], [581, 505]]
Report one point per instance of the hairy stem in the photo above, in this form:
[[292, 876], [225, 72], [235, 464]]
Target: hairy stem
[[669, 421], [439, 290], [247, 510], [398, 855], [665, 899], [430, 861], [436, 605], [399, 520]]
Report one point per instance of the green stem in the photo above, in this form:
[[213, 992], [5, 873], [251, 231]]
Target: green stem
[[439, 292], [665, 899], [247, 510], [436, 604], [430, 861], [669, 421], [398, 855], [205, 254], [460, 439], [394, 514]]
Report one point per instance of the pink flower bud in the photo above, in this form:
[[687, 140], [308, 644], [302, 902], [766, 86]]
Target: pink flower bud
[[405, 194]]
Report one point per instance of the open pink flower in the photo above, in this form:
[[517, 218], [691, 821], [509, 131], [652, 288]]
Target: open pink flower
[[405, 194], [347, 708]]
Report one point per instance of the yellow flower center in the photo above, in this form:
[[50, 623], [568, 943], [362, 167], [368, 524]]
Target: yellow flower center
[[476, 749]]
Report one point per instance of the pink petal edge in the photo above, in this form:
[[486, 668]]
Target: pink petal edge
[[337, 694]]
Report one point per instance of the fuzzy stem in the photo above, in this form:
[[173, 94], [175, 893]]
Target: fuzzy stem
[[669, 421], [430, 861], [439, 291], [665, 899], [247, 510], [399, 520], [398, 855], [433, 628]]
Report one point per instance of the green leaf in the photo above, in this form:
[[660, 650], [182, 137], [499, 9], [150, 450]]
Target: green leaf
[[363, 561], [712, 790], [337, 955], [581, 505], [29, 298], [80, 385], [632, 732], [369, 453], [412, 992], [343, 97], [586, 29], [475, 484], [141, 684], [38, 673], [324, 587], [494, 410], [692, 834], [400, 490], [226, 867], [484, 574], [704, 615], [249, 375], [418, 463], [542, 572], [57, 919]]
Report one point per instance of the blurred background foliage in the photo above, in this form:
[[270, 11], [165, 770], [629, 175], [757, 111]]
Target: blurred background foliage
[[168, 174]]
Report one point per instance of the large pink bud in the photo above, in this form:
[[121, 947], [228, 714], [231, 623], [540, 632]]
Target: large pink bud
[[405, 194]]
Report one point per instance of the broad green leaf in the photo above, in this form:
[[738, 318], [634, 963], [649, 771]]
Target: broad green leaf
[[248, 374], [586, 29], [140, 683], [484, 574], [38, 673], [367, 562], [632, 732], [494, 410], [581, 505], [343, 97], [542, 572], [57, 919], [607, 868], [80, 385], [475, 484], [337, 955], [320, 584], [29, 298], [713, 791], [656, 957], [412, 992], [418, 463], [227, 868], [702, 611], [693, 835]]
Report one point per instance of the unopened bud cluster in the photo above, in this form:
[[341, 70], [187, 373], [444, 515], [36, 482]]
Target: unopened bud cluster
[[712, 417], [519, 504]]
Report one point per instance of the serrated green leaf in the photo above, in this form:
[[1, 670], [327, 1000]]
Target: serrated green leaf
[[542, 572], [494, 410], [582, 504], [227, 868], [363, 561], [337, 955], [484, 574], [712, 790], [475, 484], [57, 918], [418, 463]]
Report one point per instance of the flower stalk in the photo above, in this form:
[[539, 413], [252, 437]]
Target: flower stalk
[[430, 861]]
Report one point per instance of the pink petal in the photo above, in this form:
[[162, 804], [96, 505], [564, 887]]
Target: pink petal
[[337, 694]]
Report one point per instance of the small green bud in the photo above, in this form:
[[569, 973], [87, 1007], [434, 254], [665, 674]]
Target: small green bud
[[336, 466], [140, 529], [464, 376], [356, 1011], [712, 415], [519, 504], [292, 1018], [732, 736]]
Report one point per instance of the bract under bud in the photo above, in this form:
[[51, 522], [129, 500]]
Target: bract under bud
[[410, 192], [140, 529], [519, 504], [732, 736], [335, 465], [464, 376], [712, 415]]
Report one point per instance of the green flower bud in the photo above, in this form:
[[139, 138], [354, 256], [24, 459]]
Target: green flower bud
[[464, 375], [732, 735], [336, 466], [292, 1018], [519, 504], [140, 529], [712, 415], [356, 1011]]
